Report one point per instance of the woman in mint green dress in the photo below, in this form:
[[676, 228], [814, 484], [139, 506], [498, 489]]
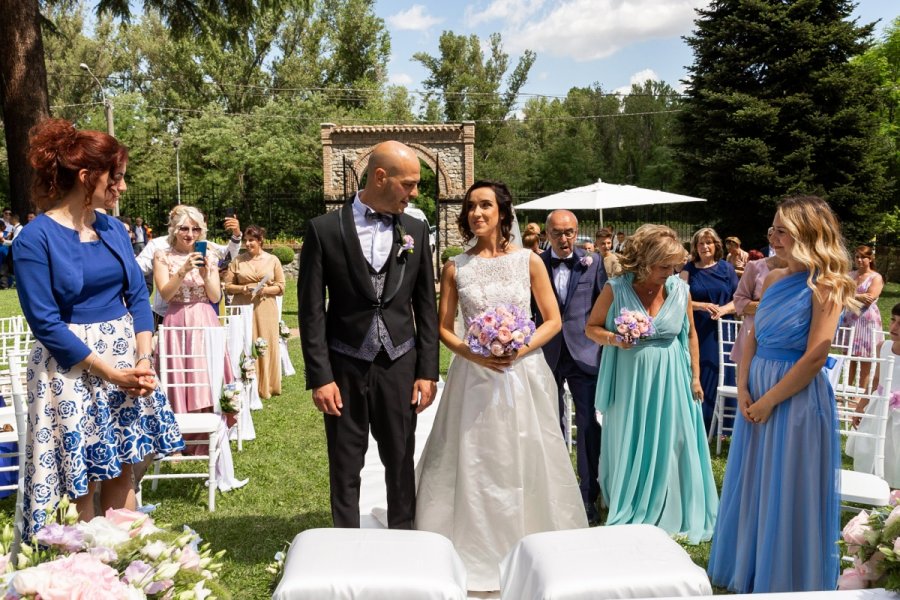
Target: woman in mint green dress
[[654, 460]]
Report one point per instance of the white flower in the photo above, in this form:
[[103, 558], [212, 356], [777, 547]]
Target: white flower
[[586, 260], [102, 532], [154, 550]]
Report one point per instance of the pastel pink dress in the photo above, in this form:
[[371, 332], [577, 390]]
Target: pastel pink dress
[[189, 307], [749, 290], [868, 322]]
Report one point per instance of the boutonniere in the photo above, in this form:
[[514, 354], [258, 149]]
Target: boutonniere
[[586, 260], [407, 244]]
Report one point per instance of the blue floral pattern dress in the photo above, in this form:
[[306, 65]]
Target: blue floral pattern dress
[[81, 427]]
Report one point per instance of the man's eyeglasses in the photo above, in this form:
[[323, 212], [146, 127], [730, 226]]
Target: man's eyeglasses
[[185, 229], [568, 233]]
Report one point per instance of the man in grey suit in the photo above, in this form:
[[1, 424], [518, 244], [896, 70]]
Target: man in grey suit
[[577, 277]]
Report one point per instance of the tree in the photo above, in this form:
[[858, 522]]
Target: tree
[[469, 84], [23, 91], [775, 107]]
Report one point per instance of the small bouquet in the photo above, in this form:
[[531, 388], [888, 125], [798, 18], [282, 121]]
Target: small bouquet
[[120, 555], [633, 326], [259, 347], [248, 368], [499, 331], [872, 540], [230, 401], [283, 330]]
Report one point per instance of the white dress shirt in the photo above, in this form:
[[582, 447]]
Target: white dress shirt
[[375, 236], [561, 276]]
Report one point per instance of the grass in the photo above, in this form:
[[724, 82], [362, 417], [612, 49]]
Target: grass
[[287, 467]]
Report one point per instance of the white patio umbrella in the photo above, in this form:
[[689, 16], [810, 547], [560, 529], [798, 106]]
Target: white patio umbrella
[[598, 196]]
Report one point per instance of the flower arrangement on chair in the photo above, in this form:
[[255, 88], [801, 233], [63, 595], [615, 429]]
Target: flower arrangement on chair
[[122, 555], [283, 330], [248, 368], [230, 400], [872, 539]]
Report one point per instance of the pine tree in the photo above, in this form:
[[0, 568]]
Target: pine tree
[[775, 107]]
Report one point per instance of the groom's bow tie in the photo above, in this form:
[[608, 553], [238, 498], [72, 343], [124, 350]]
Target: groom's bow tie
[[371, 215], [569, 262]]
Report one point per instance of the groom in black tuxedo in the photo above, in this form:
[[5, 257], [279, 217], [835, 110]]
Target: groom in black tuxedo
[[369, 331]]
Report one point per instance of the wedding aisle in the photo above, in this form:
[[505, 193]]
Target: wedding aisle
[[372, 500]]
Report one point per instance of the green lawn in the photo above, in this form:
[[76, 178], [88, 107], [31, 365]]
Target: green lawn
[[288, 489]]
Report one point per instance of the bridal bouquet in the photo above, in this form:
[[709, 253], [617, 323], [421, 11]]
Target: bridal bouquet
[[122, 555], [230, 401], [872, 540], [633, 326], [499, 331]]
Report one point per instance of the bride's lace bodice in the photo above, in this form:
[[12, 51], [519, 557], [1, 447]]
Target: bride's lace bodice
[[485, 283]]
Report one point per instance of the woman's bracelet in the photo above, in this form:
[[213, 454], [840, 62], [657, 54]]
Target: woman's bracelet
[[148, 357], [91, 364]]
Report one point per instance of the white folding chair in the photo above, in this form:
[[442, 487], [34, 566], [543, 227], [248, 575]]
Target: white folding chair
[[239, 322], [728, 331], [12, 388], [867, 488], [176, 345], [569, 417]]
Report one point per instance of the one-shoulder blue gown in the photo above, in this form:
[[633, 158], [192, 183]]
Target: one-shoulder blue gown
[[779, 516]]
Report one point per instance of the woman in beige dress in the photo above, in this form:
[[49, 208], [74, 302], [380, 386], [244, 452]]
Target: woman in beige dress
[[242, 280]]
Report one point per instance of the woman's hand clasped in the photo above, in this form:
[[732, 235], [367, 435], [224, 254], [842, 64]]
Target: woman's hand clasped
[[137, 381], [495, 363], [757, 412]]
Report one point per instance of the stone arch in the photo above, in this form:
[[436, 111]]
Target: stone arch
[[448, 150]]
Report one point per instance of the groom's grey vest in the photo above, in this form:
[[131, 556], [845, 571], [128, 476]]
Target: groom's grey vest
[[377, 337]]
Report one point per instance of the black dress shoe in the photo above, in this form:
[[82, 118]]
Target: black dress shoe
[[593, 516]]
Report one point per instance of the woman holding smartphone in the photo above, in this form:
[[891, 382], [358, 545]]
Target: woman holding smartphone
[[188, 280], [257, 278]]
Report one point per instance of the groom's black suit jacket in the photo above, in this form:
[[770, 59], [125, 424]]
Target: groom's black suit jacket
[[332, 261]]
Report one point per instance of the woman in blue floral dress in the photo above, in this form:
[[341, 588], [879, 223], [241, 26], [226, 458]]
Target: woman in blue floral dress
[[94, 408]]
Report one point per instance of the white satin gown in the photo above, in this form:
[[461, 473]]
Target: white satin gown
[[495, 467]]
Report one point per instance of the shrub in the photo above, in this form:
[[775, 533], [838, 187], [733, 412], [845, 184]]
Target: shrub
[[284, 254], [449, 252]]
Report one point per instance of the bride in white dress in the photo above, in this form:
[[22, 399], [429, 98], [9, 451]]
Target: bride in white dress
[[495, 467]]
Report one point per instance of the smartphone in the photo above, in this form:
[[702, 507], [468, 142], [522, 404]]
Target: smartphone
[[229, 212], [200, 246]]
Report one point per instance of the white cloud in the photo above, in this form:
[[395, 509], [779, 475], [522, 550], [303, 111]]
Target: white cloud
[[413, 19], [399, 79], [638, 78], [512, 11], [586, 30]]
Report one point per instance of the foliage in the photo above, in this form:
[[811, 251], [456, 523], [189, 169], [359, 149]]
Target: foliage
[[284, 254], [449, 252], [776, 108]]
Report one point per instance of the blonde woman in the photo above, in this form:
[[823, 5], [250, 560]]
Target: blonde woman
[[779, 516], [654, 459]]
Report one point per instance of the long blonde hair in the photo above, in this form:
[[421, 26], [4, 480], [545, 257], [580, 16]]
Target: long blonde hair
[[650, 245], [819, 246]]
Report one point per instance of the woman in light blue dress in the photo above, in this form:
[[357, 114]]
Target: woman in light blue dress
[[779, 517], [654, 459]]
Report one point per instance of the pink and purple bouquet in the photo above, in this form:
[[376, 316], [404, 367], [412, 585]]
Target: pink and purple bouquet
[[499, 331], [633, 326], [872, 540], [120, 556]]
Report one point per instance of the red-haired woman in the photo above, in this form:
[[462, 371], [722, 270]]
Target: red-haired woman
[[94, 407]]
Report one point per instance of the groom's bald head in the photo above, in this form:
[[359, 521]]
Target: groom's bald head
[[392, 177]]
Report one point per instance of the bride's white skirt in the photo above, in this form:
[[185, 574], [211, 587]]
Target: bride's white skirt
[[495, 467]]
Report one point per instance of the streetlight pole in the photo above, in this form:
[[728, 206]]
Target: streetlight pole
[[108, 108], [177, 143]]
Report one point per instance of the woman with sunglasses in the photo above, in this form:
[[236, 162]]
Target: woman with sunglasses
[[188, 281]]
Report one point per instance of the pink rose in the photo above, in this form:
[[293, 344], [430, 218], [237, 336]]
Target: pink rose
[[895, 497], [892, 518], [518, 337], [75, 577], [483, 338], [855, 530], [133, 522], [872, 569], [504, 335], [488, 321], [851, 579], [497, 348], [622, 328]]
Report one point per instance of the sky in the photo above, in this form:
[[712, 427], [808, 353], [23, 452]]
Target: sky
[[578, 42]]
